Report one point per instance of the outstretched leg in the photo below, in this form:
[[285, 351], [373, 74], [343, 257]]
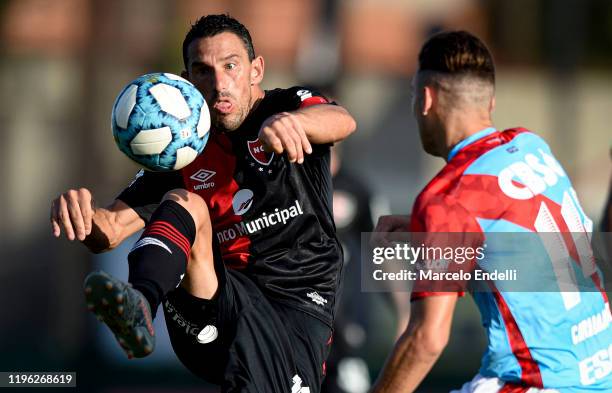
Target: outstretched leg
[[177, 242]]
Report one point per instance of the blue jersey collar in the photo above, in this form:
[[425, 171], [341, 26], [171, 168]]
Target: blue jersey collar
[[469, 140]]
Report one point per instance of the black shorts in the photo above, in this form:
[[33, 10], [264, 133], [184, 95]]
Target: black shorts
[[261, 345]]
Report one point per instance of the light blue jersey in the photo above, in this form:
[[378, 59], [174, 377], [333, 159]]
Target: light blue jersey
[[510, 182]]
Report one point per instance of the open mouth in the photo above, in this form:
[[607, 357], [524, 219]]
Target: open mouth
[[223, 106]]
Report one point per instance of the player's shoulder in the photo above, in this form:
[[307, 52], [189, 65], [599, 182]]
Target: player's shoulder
[[146, 176], [520, 137], [495, 153], [512, 132], [444, 182], [296, 96], [441, 213], [438, 202]]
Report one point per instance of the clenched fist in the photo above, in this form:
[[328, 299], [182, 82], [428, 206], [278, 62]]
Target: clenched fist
[[284, 132]]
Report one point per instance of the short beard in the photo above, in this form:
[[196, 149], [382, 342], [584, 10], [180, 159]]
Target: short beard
[[231, 123]]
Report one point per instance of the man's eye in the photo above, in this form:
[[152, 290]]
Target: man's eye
[[230, 66]]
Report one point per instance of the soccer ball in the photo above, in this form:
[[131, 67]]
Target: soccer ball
[[161, 121]]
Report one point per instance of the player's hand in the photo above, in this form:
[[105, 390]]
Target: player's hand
[[73, 211], [283, 132], [386, 226]]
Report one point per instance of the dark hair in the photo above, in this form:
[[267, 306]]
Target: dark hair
[[211, 25], [457, 53]]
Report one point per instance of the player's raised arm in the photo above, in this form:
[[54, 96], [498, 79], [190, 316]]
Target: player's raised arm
[[326, 123], [293, 132], [100, 229], [420, 346]]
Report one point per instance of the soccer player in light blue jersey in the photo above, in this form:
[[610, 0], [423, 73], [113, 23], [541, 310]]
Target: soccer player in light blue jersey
[[497, 181]]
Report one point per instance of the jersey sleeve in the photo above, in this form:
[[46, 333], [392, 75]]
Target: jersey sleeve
[[303, 97], [147, 189], [444, 222]]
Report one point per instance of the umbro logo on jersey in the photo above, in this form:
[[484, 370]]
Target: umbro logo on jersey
[[258, 153], [242, 201], [203, 175]]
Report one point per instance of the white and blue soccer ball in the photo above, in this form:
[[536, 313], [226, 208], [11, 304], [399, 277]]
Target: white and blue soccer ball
[[161, 121]]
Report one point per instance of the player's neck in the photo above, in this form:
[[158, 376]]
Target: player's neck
[[462, 126], [257, 96]]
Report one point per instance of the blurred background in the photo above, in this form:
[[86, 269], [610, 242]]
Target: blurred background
[[63, 62]]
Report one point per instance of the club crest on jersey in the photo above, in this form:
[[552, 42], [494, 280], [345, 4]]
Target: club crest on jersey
[[256, 151]]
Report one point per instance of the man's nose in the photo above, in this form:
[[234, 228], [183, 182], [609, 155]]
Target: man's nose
[[221, 81]]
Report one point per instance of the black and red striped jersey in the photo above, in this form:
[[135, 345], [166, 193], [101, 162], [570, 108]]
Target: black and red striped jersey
[[272, 219]]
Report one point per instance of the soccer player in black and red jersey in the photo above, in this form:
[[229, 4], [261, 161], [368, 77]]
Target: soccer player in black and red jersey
[[240, 246]]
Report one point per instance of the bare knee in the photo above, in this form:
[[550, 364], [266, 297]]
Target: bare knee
[[193, 203]]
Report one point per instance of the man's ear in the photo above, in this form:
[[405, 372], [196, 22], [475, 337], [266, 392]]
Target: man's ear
[[257, 70], [492, 105], [429, 97]]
